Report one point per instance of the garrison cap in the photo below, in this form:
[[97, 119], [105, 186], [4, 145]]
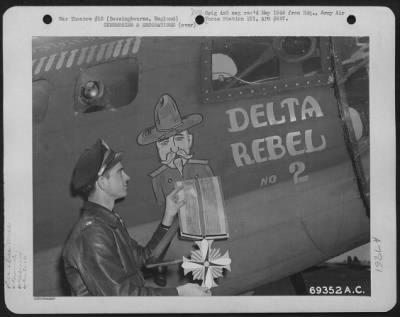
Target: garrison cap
[[93, 163]]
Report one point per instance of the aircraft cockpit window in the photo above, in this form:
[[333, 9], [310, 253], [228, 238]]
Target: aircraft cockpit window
[[238, 62], [240, 66], [107, 86]]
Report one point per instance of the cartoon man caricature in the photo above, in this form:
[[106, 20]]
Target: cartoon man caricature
[[174, 142]]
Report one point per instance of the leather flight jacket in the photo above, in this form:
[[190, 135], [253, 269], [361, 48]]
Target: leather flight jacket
[[101, 259]]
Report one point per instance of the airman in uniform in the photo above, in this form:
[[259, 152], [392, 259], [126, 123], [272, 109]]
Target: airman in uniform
[[100, 258]]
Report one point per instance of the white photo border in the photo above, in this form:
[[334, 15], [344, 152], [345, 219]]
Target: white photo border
[[20, 24]]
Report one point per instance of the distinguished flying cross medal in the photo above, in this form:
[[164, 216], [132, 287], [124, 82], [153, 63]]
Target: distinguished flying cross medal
[[206, 264], [202, 218]]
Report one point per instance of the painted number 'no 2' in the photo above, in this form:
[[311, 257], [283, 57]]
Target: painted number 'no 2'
[[297, 168]]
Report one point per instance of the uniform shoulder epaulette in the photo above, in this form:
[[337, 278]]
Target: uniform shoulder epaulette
[[198, 161], [88, 222], [158, 170], [96, 221]]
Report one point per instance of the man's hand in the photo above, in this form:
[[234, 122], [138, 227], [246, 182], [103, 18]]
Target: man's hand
[[172, 206], [190, 289]]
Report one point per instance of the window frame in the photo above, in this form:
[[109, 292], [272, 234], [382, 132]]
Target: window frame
[[270, 87]]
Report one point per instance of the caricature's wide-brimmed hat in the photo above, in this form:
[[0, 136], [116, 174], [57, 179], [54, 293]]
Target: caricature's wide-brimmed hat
[[93, 163], [168, 121]]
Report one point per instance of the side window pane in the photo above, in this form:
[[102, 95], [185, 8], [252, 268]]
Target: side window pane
[[107, 86]]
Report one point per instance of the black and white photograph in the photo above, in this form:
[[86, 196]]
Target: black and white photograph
[[202, 165]]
